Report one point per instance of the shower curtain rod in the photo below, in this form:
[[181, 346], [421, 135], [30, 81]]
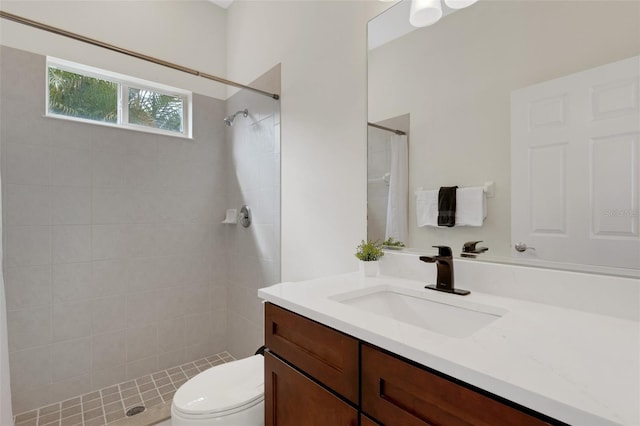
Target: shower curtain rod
[[377, 126], [78, 37]]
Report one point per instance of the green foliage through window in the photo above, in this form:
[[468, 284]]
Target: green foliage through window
[[120, 102], [80, 96], [153, 109]]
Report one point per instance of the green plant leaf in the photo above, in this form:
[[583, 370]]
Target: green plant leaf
[[391, 242], [369, 251]]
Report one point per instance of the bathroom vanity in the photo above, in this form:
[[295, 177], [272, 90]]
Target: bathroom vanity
[[350, 350], [317, 375]]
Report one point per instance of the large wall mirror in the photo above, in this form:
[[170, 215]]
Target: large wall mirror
[[541, 98]]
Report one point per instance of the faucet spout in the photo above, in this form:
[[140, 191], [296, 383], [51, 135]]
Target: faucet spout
[[444, 265]]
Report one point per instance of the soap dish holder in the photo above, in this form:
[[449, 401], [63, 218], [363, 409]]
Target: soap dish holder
[[232, 217]]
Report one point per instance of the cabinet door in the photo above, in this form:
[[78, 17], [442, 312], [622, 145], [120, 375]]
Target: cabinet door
[[291, 399], [327, 355], [400, 394], [366, 421]]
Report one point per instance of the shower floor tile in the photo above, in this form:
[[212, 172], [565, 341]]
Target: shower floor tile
[[111, 404]]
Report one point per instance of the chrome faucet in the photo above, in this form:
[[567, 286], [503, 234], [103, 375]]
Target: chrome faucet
[[444, 265]]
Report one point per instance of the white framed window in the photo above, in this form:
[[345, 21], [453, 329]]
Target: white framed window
[[80, 92]]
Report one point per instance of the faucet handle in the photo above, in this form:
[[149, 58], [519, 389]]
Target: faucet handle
[[444, 251], [470, 246]]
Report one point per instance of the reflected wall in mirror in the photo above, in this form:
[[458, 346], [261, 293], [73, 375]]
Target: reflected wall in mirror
[[455, 80]]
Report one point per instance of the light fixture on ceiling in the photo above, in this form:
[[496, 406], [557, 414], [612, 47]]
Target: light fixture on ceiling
[[428, 12], [425, 12], [459, 4]]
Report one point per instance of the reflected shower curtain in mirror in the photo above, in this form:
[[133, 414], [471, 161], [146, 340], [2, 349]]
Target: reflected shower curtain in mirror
[[397, 205]]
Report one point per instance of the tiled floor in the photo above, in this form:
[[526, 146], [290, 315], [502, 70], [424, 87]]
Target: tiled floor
[[111, 404]]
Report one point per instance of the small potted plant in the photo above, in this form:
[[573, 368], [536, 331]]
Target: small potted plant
[[393, 244], [369, 253]]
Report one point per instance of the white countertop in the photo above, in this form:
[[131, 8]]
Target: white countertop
[[574, 366]]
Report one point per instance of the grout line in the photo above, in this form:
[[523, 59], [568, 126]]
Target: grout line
[[81, 411], [156, 387]]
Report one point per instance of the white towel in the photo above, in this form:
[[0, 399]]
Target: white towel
[[471, 207], [427, 207]]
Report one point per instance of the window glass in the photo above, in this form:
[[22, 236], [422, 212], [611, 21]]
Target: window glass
[[153, 109], [77, 95], [81, 92]]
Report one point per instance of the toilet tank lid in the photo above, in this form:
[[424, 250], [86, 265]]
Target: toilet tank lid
[[223, 387]]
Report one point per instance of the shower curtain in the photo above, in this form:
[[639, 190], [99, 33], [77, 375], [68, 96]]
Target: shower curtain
[[398, 203], [6, 416], [5, 389]]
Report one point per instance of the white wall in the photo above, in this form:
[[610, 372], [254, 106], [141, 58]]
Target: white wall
[[322, 48], [188, 33]]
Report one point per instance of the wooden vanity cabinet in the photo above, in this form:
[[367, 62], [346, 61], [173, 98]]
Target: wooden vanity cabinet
[[292, 399], [330, 357], [315, 375], [398, 393], [366, 421]]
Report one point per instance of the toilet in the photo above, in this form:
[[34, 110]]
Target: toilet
[[230, 394]]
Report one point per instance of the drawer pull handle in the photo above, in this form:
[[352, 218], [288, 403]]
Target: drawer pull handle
[[381, 387]]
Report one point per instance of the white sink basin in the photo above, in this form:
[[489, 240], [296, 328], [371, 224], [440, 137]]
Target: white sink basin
[[455, 318]]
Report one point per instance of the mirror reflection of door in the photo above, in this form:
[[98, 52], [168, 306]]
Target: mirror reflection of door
[[578, 135], [387, 179], [456, 77]]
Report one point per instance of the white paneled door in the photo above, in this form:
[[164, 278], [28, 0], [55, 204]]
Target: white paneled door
[[575, 165]]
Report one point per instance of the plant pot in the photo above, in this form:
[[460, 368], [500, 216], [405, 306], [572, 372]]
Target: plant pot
[[370, 268]]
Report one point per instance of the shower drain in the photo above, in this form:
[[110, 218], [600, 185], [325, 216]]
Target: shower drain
[[135, 410]]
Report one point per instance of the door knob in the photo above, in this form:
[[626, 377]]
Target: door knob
[[521, 247]]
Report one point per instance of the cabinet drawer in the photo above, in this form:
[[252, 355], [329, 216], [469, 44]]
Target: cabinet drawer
[[325, 354], [397, 393], [291, 399]]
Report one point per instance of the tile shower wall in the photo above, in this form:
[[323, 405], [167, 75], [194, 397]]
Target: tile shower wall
[[254, 179], [114, 256]]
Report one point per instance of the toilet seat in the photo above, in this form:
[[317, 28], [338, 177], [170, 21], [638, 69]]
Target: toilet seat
[[222, 390], [203, 417]]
